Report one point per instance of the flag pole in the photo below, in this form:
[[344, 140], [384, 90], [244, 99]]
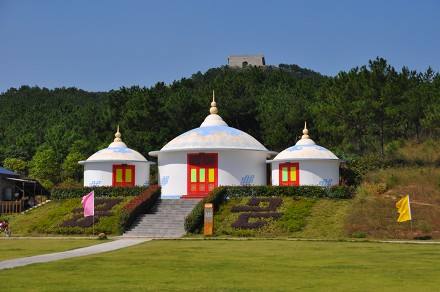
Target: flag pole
[[410, 216], [93, 230]]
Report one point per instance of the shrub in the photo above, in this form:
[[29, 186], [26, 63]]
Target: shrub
[[243, 219], [103, 208], [137, 205], [253, 205], [194, 221], [335, 192], [359, 234], [59, 193], [253, 210]]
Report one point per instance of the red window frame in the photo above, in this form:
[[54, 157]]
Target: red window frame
[[124, 182], [196, 162], [289, 181]]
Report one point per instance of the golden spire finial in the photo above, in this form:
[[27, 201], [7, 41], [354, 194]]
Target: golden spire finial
[[213, 109], [117, 136], [305, 132]]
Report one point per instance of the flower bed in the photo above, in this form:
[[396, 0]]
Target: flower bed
[[243, 219], [254, 205], [253, 210], [103, 207]]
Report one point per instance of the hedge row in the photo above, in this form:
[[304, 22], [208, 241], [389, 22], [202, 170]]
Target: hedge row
[[194, 221], [69, 193], [335, 192], [138, 205]]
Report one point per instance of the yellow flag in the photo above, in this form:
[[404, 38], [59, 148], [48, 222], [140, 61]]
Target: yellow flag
[[404, 209]]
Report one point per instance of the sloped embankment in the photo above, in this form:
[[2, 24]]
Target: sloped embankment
[[294, 217]]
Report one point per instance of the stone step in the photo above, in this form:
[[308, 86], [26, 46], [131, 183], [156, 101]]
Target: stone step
[[165, 220], [159, 226]]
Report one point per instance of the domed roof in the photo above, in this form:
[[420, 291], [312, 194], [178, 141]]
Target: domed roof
[[213, 134], [116, 151], [305, 149]]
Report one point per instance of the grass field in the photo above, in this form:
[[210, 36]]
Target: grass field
[[15, 248], [240, 265]]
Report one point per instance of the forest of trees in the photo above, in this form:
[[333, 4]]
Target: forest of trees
[[43, 133]]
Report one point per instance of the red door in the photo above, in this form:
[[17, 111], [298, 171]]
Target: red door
[[289, 174], [123, 175], [202, 174]]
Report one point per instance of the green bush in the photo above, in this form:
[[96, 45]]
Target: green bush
[[69, 193], [194, 221], [335, 192]]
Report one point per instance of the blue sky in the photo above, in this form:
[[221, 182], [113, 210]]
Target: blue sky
[[101, 45]]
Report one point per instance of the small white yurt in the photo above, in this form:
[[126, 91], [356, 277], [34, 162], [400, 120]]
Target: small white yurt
[[305, 164], [117, 165], [214, 154]]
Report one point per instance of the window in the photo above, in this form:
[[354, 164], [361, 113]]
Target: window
[[123, 175]]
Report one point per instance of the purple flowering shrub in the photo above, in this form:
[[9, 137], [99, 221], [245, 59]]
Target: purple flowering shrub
[[253, 210], [103, 207]]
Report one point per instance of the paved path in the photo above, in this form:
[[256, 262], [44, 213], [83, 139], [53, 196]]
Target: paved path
[[94, 249]]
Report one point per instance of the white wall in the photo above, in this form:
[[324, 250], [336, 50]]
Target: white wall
[[172, 174], [234, 168], [100, 173], [312, 172], [235, 165]]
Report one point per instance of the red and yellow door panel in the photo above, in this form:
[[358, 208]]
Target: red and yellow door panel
[[123, 175], [202, 173], [289, 174]]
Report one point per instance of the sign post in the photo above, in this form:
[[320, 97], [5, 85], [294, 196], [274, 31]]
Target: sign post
[[209, 220]]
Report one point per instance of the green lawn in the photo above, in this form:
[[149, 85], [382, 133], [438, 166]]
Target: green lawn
[[15, 248], [246, 265]]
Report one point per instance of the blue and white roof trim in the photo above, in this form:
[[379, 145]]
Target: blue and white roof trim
[[305, 149], [213, 134], [117, 151]]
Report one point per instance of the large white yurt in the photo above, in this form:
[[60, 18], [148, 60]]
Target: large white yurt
[[117, 165], [305, 163], [211, 155]]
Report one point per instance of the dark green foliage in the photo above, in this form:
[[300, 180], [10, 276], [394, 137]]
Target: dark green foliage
[[194, 221], [335, 192], [15, 164], [68, 193], [358, 112]]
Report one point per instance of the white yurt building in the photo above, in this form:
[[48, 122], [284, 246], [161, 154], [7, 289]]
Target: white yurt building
[[305, 164], [211, 155], [117, 165]]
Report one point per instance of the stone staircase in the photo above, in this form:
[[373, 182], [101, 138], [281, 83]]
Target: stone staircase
[[164, 220]]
